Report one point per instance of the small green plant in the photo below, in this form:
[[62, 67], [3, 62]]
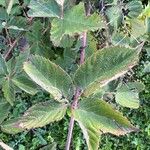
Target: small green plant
[[81, 82]]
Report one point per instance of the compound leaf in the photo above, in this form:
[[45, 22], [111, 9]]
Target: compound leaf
[[49, 76], [104, 66], [44, 8], [73, 22], [38, 115], [96, 117]]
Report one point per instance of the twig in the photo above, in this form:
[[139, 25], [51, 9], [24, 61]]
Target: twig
[[9, 39], [82, 50], [12, 47], [84, 36]]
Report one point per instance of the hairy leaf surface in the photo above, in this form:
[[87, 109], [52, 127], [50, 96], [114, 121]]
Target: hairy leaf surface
[[74, 21], [135, 8], [38, 115], [103, 67], [25, 84], [44, 8], [10, 126], [128, 94], [115, 16], [4, 110], [49, 76], [8, 91], [3, 67], [96, 117]]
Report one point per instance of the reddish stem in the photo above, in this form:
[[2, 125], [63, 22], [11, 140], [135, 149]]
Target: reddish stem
[[82, 52], [78, 92], [71, 124]]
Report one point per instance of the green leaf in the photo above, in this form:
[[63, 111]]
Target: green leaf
[[3, 67], [120, 39], [104, 66], [146, 12], [23, 56], [127, 95], [91, 46], [25, 84], [96, 117], [8, 90], [134, 8], [148, 25], [3, 14], [68, 60], [4, 110], [10, 126], [74, 22], [49, 147], [38, 115], [44, 8], [147, 68], [15, 65], [49, 76], [2, 2], [138, 28], [138, 86], [66, 42], [115, 16], [148, 51]]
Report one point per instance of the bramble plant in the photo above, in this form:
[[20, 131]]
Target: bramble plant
[[90, 72]]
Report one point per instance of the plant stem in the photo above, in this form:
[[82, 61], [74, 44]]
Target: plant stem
[[77, 92], [82, 50], [71, 124], [12, 47]]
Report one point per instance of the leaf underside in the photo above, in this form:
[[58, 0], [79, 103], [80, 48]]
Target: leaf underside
[[104, 66], [49, 76], [96, 117], [38, 115]]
